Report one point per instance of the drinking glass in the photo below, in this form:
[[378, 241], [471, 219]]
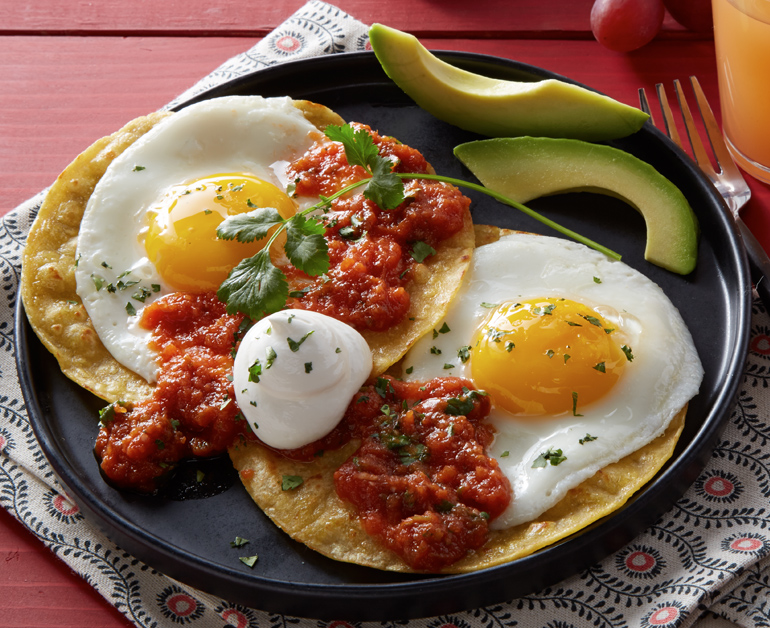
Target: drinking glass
[[742, 38]]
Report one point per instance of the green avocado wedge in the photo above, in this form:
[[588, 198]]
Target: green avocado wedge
[[525, 168], [499, 108]]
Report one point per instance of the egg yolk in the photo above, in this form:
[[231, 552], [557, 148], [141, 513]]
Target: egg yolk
[[182, 237], [546, 357]]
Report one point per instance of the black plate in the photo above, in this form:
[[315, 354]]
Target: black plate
[[189, 540]]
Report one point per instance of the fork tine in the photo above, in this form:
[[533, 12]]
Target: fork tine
[[644, 105], [723, 156], [698, 150], [668, 117]]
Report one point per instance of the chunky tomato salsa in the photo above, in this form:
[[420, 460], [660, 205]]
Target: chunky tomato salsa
[[421, 480]]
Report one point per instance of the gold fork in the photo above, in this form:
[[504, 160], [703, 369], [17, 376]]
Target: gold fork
[[728, 179]]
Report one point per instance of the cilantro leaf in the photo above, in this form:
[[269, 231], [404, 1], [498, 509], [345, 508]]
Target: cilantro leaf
[[385, 188], [360, 149], [306, 247], [254, 287], [250, 226], [420, 251]]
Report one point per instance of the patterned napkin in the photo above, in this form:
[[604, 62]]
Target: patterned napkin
[[708, 554]]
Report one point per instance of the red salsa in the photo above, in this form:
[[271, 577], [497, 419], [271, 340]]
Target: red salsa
[[421, 480], [370, 249], [192, 412]]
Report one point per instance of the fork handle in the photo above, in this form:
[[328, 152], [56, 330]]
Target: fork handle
[[759, 263]]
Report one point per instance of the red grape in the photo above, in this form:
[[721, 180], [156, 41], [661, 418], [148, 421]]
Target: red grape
[[624, 25], [694, 15]]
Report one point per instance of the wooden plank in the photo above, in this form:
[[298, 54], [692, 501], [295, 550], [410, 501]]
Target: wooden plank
[[448, 18], [37, 589]]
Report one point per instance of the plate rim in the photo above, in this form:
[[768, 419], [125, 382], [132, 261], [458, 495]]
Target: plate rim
[[398, 594]]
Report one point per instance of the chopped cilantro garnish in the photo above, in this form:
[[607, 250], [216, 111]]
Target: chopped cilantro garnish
[[130, 309], [108, 413], [461, 406], [409, 370], [550, 353], [574, 404], [141, 294], [448, 366], [294, 345], [290, 482], [495, 335], [553, 456], [597, 280], [139, 168], [435, 350], [600, 367], [587, 439], [383, 386], [464, 353], [509, 346], [444, 329], [238, 542], [308, 367], [592, 319], [255, 370], [249, 561], [629, 355], [544, 311]]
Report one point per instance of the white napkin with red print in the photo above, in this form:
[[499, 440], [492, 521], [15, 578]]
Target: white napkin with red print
[[708, 554]]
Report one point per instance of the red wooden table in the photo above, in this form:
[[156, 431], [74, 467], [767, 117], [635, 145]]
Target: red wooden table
[[72, 72]]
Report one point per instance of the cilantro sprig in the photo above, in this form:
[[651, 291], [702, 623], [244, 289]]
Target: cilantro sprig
[[256, 287]]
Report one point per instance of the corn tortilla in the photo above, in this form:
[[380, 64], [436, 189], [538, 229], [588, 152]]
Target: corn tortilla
[[314, 515]]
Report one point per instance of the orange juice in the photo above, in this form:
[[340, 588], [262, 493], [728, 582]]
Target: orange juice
[[742, 38]]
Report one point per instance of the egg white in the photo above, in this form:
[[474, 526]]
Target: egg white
[[239, 134], [664, 375]]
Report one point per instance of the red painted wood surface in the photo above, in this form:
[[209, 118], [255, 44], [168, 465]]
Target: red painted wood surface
[[59, 92], [38, 590], [431, 18]]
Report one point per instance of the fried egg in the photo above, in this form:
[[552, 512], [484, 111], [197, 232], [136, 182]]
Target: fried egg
[[586, 360], [149, 228]]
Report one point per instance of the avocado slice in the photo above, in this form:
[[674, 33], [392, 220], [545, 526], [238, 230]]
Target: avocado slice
[[525, 168], [499, 108]]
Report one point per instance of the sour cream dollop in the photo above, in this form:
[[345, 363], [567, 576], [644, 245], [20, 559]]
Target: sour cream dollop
[[295, 373]]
